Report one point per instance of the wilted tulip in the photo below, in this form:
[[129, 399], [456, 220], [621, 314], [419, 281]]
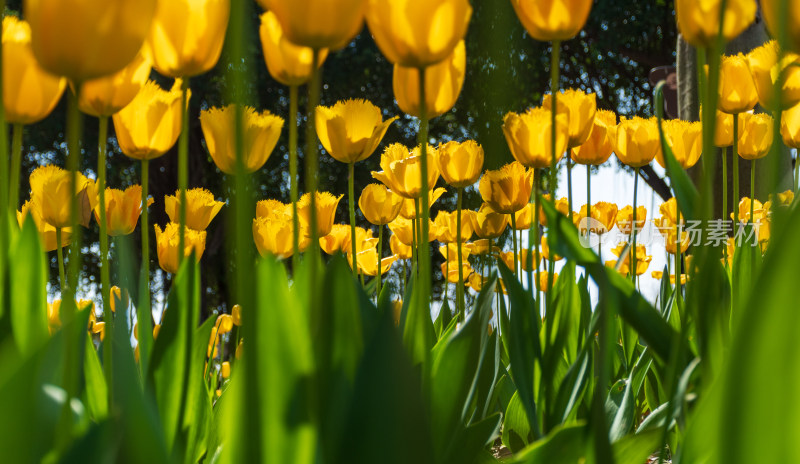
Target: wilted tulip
[[287, 63], [447, 226], [580, 108], [625, 219], [529, 136], [790, 126], [379, 205], [107, 95], [599, 145], [699, 20], [402, 170], [319, 24], [548, 20], [351, 130], [755, 135], [167, 245], [326, 210], [766, 71], [486, 223], [508, 189], [149, 126], [47, 233], [50, 189], [200, 207], [409, 210], [686, 141], [737, 93], [637, 141], [443, 83], [460, 164], [260, 133], [122, 210]]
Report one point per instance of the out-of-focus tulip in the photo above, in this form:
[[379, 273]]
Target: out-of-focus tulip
[[667, 230], [326, 209], [604, 216], [580, 108], [784, 198], [118, 297], [529, 136], [367, 262], [236, 315], [669, 210], [397, 311], [449, 251], [399, 248], [450, 270], [642, 259], [737, 93], [543, 278], [403, 229], [402, 170], [351, 130], [723, 129], [409, 210], [187, 35], [50, 189], [335, 240], [460, 164], [598, 146], [99, 328], [107, 95], [224, 324], [418, 33], [658, 275], [771, 10], [686, 141], [698, 20], [765, 69], [319, 23], [273, 235], [562, 206], [200, 207], [523, 259], [744, 210], [486, 223], [790, 126], [508, 189], [443, 83], [287, 63], [122, 210], [447, 226], [625, 219], [637, 141], [548, 20], [260, 135], [87, 39], [29, 92], [545, 246], [167, 245], [755, 135], [379, 205], [47, 233], [225, 370], [149, 126]]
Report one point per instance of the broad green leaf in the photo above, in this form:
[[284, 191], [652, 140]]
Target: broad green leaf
[[96, 390], [28, 297], [419, 334], [516, 428], [564, 445], [619, 409], [573, 387], [636, 448]]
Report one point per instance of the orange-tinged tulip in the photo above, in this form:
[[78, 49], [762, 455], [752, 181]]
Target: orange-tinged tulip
[[319, 24], [187, 35], [107, 95], [443, 83], [379, 205], [790, 126], [450, 270], [604, 215], [29, 92], [351, 130], [50, 189], [149, 126], [667, 230], [529, 136], [508, 189], [771, 10], [273, 235], [86, 39], [402, 170], [409, 210], [447, 226], [287, 63], [336, 240], [642, 259], [686, 141], [47, 233], [637, 141], [200, 207], [598, 146], [625, 219], [486, 223], [737, 93], [698, 20], [418, 33], [765, 69], [367, 262], [580, 108], [460, 164], [260, 135], [549, 20], [399, 248], [122, 210], [755, 135], [167, 245], [326, 210]]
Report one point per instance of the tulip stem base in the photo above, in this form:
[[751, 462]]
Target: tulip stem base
[[16, 163]]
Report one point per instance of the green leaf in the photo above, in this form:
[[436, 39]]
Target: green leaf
[[516, 428], [419, 334], [564, 445], [29, 296], [96, 390], [637, 448]]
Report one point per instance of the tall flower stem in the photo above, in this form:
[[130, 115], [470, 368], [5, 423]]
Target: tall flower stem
[[514, 241], [312, 161], [724, 184], [589, 205], [752, 190], [533, 281], [144, 314], [678, 250], [351, 202], [183, 172], [460, 289], [105, 277], [735, 157], [293, 174], [569, 186], [16, 163], [633, 226], [379, 276], [424, 254], [554, 76], [415, 239], [62, 277]]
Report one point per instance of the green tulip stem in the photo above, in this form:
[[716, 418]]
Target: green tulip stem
[[589, 205], [183, 174], [487, 263], [633, 226], [144, 314], [16, 163], [554, 76], [735, 157], [293, 174], [535, 228], [796, 171], [724, 183], [351, 202], [461, 304], [105, 275], [379, 276], [678, 248], [62, 278], [312, 161], [414, 239], [514, 240], [424, 254], [752, 190], [569, 185]]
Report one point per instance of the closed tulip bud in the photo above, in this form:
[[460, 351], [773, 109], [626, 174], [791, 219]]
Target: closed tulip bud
[[508, 189], [379, 205], [149, 126], [200, 207], [460, 164], [599, 145], [529, 136], [699, 20], [790, 126], [167, 245], [225, 372], [118, 297], [399, 248], [224, 324], [50, 189], [524, 217], [766, 71], [29, 92], [47, 233], [744, 210], [723, 129], [287, 63], [443, 83], [486, 223], [260, 133], [273, 235], [319, 24], [335, 240], [669, 210], [604, 215], [642, 259], [755, 135], [239, 350], [156, 330], [351, 130], [686, 141], [397, 311], [548, 20], [107, 95], [326, 210], [545, 246], [87, 39], [447, 226], [367, 262], [418, 33], [268, 207], [625, 219], [187, 35], [737, 93], [580, 108], [236, 315], [667, 230], [637, 141], [774, 14], [402, 170], [450, 271], [122, 210]]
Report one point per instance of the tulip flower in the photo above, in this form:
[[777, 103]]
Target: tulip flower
[[552, 20], [603, 214], [326, 210], [642, 259], [486, 223], [447, 227], [508, 189], [637, 141], [460, 164], [260, 135], [50, 188], [149, 126], [418, 33], [450, 271], [87, 39], [402, 171], [686, 141], [200, 208], [399, 248], [790, 126], [749, 211], [186, 36], [47, 233], [335, 240], [379, 205], [543, 278], [443, 83], [625, 219], [403, 229], [699, 20], [529, 136], [287, 63], [450, 251], [737, 93], [122, 210], [755, 135], [367, 262], [766, 71], [102, 97], [267, 207], [319, 24], [167, 245], [524, 217], [350, 130], [364, 240], [580, 108], [723, 129], [236, 315], [598, 146], [773, 14], [409, 210], [562, 206], [667, 230]]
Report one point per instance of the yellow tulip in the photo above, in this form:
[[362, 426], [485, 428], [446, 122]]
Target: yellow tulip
[[224, 324], [523, 259], [399, 248], [367, 262], [287, 63], [200, 207], [598, 146], [755, 135], [447, 226], [784, 198], [544, 280], [637, 141], [236, 315], [351, 130], [443, 83], [642, 259], [524, 217], [122, 210], [379, 205], [273, 235], [364, 240], [409, 210], [698, 20], [118, 297], [403, 229], [529, 136], [604, 215], [508, 189], [562, 206], [225, 370], [99, 328], [460, 164], [260, 133], [481, 247], [545, 247], [326, 210], [449, 251], [744, 210], [107, 95], [167, 245], [47, 233], [548, 20], [418, 33], [723, 129], [187, 35], [737, 93], [401, 170], [580, 108], [771, 10], [486, 223], [90, 38], [790, 126], [625, 219], [149, 126], [268, 207], [669, 210], [450, 270], [765, 69], [335, 240], [50, 188], [667, 230], [319, 24], [29, 92], [686, 141]]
